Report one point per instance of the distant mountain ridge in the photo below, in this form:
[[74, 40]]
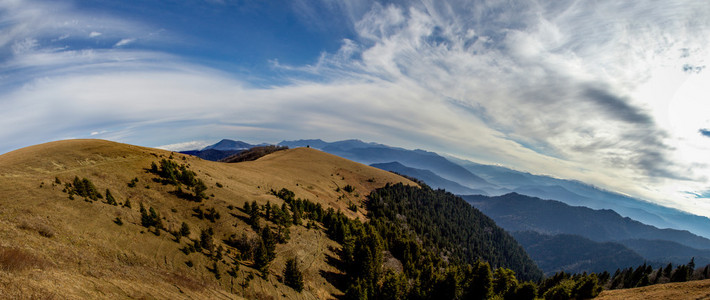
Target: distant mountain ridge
[[427, 176], [496, 180], [227, 144], [211, 154], [576, 254], [516, 212], [371, 153]]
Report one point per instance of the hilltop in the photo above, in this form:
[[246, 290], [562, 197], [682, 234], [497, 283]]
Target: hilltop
[[53, 245], [99, 219]]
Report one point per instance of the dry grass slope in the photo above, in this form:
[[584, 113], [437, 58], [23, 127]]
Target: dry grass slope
[[691, 290], [52, 247]]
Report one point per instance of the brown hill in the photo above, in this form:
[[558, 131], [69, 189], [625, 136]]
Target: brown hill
[[54, 247], [678, 291]]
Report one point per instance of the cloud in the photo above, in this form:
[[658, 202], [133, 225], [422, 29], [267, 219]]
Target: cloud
[[543, 87], [94, 34], [185, 146], [692, 69], [618, 107], [124, 42]]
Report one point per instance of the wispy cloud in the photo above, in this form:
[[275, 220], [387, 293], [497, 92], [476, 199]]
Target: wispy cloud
[[94, 34], [184, 146], [124, 42], [549, 87]]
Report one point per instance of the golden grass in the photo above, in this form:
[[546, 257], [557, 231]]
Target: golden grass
[[16, 259], [73, 249], [691, 290]]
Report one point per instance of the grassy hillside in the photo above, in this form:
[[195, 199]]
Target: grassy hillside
[[677, 291], [54, 247]]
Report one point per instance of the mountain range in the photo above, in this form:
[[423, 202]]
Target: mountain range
[[576, 212], [552, 233], [467, 177], [99, 219]]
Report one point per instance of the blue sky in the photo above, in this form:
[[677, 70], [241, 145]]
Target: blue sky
[[612, 93]]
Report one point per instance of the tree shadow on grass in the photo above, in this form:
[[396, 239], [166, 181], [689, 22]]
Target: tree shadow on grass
[[337, 279]]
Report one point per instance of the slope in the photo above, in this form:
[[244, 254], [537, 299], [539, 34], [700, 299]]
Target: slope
[[575, 254], [667, 252], [447, 223], [53, 245], [516, 212], [690, 290], [369, 153], [427, 176], [578, 193]]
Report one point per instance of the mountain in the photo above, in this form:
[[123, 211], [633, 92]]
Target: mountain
[[496, 180], [516, 212], [99, 219], [227, 144], [581, 194], [576, 254], [371, 153], [492, 180], [212, 154], [450, 225], [427, 176], [57, 242], [667, 251]]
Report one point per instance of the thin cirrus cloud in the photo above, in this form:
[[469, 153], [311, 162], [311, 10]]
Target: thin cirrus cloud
[[558, 88], [124, 42]]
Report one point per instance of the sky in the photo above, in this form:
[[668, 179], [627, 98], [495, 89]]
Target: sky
[[612, 93]]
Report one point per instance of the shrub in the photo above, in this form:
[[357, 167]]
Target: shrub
[[15, 259], [184, 229], [349, 188], [133, 182]]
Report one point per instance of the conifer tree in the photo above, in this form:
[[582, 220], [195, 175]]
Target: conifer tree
[[267, 236], [668, 270], [261, 258], [206, 240], [184, 230], [109, 198], [481, 284], [503, 281], [293, 276]]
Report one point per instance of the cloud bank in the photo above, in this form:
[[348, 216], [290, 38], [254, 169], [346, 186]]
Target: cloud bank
[[605, 92]]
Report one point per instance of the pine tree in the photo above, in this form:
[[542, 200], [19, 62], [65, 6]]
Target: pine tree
[[254, 215], [184, 230], [525, 291], [267, 236], [394, 286], [128, 203], [109, 198], [261, 258], [481, 284], [206, 240], [503, 281], [691, 268], [668, 270], [293, 276]]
